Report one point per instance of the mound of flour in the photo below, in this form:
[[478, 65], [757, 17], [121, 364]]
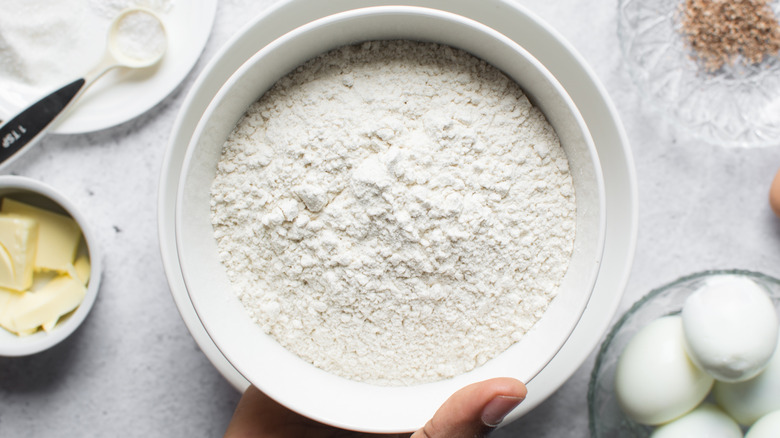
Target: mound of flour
[[394, 212]]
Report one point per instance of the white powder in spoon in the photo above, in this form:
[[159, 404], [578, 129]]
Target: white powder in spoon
[[140, 36], [394, 212]]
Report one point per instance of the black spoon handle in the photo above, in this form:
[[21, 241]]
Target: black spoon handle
[[26, 126]]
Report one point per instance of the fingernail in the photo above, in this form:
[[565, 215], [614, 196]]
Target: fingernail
[[498, 408]]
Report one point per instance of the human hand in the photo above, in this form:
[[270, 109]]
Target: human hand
[[471, 412]]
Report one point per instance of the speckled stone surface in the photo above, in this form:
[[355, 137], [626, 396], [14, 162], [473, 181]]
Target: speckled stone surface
[[133, 369]]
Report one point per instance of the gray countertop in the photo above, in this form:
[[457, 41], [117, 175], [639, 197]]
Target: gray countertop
[[133, 369]]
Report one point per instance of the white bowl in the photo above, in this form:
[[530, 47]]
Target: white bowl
[[41, 195], [281, 374]]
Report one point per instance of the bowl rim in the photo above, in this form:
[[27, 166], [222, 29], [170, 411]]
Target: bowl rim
[[582, 127], [38, 342], [609, 337]]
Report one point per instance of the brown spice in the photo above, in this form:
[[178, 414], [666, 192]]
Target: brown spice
[[723, 32]]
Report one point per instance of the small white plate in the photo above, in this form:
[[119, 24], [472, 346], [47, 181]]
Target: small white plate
[[121, 95], [545, 44]]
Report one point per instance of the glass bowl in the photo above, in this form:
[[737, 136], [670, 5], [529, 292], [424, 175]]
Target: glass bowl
[[736, 105], [606, 419]]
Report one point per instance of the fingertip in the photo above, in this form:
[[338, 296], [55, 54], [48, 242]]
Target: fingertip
[[509, 386], [497, 409], [504, 386], [475, 409], [506, 394]]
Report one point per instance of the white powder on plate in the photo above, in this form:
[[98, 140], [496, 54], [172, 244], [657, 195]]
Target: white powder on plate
[[394, 212], [46, 43], [111, 8]]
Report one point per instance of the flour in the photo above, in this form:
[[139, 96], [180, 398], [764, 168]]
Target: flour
[[394, 212], [109, 9], [47, 43]]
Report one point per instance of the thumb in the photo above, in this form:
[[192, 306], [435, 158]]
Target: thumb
[[475, 410]]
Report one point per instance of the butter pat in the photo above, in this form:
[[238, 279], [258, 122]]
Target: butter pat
[[41, 279], [18, 248], [58, 235], [83, 268], [33, 309], [49, 326], [5, 297], [8, 300]]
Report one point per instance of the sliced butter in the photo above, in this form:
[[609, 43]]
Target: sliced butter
[[58, 235], [8, 300], [40, 280], [6, 296], [27, 332], [33, 309], [49, 326], [18, 247], [83, 268]]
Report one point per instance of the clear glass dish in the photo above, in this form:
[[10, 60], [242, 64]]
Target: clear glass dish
[[606, 419], [736, 105]]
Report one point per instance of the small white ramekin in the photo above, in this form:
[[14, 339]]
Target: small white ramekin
[[41, 195]]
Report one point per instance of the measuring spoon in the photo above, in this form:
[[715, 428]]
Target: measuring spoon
[[136, 39]]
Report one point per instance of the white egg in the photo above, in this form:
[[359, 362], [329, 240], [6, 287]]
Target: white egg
[[731, 327], [655, 382], [767, 426], [747, 401], [706, 421]]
